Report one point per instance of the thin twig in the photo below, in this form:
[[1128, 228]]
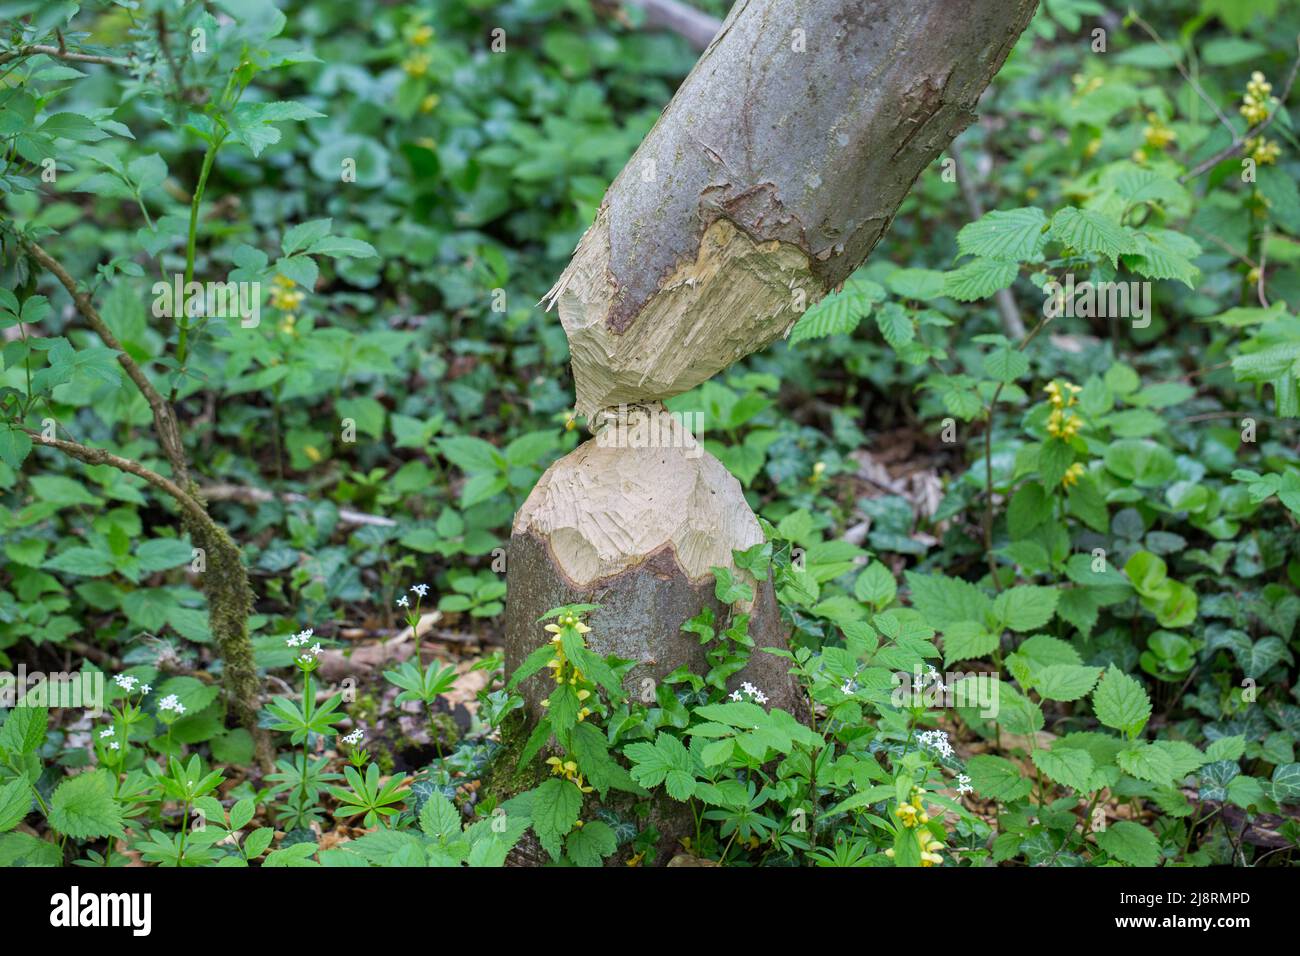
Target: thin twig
[[54, 51], [1012, 324], [246, 494], [1239, 141], [164, 418], [1178, 62]]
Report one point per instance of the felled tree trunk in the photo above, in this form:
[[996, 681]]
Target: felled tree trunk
[[774, 171], [771, 175]]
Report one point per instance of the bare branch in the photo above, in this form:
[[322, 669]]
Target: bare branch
[[62, 54], [696, 26], [164, 418]]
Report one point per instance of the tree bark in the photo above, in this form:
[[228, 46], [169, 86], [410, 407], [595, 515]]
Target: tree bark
[[774, 171]]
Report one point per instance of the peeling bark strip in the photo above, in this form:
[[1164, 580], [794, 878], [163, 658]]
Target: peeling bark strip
[[775, 170]]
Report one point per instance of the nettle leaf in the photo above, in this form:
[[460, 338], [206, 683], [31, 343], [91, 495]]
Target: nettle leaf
[[1065, 681], [1121, 702], [15, 446], [1088, 231], [1069, 766], [83, 807], [1147, 762], [589, 845], [944, 601], [998, 778], [1130, 843], [978, 279], [1026, 607], [555, 807], [1012, 235]]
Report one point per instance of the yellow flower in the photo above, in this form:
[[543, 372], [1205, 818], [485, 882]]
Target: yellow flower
[[1093, 147], [635, 859], [1263, 151], [420, 35], [1156, 134], [417, 64], [1062, 425], [429, 103], [1139, 156], [1072, 475], [1255, 104], [427, 142], [819, 469], [285, 295]]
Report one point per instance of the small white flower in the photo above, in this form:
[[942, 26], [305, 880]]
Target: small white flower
[[403, 601], [848, 687], [114, 746], [173, 703], [420, 590], [126, 682], [145, 688], [354, 737], [315, 650], [963, 784], [935, 740], [107, 733], [735, 695]]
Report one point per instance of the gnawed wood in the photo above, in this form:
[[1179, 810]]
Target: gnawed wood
[[774, 171]]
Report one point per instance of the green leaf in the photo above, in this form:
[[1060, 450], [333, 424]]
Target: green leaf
[[1065, 681], [1086, 230], [304, 234], [1005, 365], [15, 803], [591, 843], [1286, 783], [1121, 702], [998, 778], [838, 313], [1012, 235], [439, 819], [1130, 843], [83, 806], [23, 731], [555, 808], [1068, 766], [15, 446], [1026, 607], [978, 279]]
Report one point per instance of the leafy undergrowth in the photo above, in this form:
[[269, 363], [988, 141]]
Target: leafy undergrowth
[[1029, 480]]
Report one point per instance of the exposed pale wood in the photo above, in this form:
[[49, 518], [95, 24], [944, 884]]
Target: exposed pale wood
[[771, 175]]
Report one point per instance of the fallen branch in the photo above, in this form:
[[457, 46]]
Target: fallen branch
[[696, 26], [248, 495]]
